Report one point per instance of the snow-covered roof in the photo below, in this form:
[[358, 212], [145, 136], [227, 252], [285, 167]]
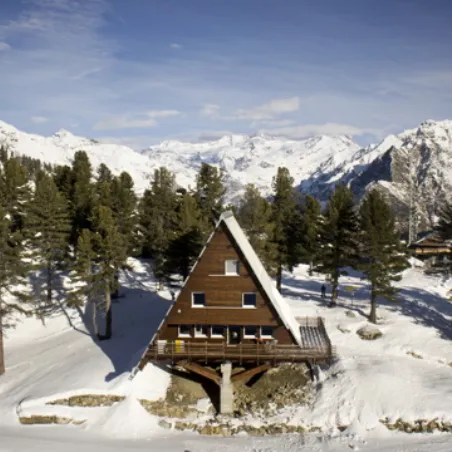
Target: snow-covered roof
[[278, 302]]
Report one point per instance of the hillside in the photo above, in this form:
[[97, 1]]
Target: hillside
[[317, 164], [405, 374]]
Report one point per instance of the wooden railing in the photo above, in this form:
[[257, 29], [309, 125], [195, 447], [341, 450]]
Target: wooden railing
[[176, 351]]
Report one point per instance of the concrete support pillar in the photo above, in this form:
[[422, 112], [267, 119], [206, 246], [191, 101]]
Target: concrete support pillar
[[226, 393]]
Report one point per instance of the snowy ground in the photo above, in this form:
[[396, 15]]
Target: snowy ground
[[372, 380]]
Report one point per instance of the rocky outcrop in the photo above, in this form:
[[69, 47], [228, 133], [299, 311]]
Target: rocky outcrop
[[88, 400], [52, 419], [369, 333], [419, 425]]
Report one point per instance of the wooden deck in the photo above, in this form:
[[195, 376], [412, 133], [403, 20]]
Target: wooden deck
[[316, 348]]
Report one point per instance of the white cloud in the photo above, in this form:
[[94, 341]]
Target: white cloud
[[210, 110], [269, 110], [309, 130], [4, 46], [39, 119], [176, 46], [138, 121]]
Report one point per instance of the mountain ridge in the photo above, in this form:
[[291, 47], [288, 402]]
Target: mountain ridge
[[317, 164]]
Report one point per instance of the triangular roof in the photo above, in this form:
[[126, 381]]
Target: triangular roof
[[275, 298], [263, 278]]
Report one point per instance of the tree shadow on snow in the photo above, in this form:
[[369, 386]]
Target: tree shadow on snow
[[424, 307], [137, 313], [45, 310]]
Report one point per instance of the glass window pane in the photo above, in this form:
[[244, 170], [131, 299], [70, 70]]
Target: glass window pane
[[232, 267], [200, 330], [249, 299], [250, 331], [266, 331], [218, 331], [199, 299], [184, 330]]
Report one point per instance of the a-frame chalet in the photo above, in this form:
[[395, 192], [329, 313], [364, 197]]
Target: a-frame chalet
[[229, 310]]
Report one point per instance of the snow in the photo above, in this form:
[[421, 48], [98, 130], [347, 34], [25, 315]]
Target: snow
[[371, 379]]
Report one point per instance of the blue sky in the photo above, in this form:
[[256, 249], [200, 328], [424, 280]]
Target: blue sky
[[140, 71]]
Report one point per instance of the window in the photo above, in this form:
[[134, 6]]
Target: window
[[266, 332], [232, 267], [250, 332], [201, 331], [217, 331], [184, 331], [198, 299], [249, 300]]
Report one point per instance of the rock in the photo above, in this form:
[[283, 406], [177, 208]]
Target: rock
[[165, 424], [369, 333], [414, 355], [343, 329], [350, 314]]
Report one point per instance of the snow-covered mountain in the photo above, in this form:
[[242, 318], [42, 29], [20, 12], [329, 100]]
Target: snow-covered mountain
[[253, 159], [316, 164], [60, 149]]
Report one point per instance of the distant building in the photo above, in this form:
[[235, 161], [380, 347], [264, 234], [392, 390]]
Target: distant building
[[435, 252]]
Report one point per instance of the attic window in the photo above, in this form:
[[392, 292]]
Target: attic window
[[249, 300], [232, 267], [198, 299]]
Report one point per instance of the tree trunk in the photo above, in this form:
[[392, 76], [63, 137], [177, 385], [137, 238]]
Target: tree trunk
[[311, 266], [334, 284], [2, 352], [94, 317], [49, 283], [115, 294], [279, 277], [108, 313], [373, 307]]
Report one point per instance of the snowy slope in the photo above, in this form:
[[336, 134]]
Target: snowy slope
[[61, 147], [371, 380]]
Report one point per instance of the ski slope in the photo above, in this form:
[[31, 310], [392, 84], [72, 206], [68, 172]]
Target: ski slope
[[370, 381]]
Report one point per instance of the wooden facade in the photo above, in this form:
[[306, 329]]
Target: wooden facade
[[223, 299]]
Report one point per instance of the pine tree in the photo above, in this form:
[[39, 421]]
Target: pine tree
[[310, 230], [284, 218], [210, 191], [158, 219], [110, 256], [12, 274], [103, 186], [124, 206], [48, 228], [382, 254], [82, 194], [185, 247], [254, 215], [64, 180], [14, 192], [338, 237]]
